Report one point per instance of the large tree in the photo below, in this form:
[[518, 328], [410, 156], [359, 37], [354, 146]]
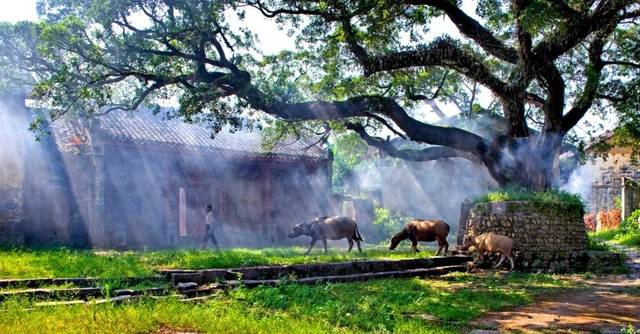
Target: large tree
[[360, 65]]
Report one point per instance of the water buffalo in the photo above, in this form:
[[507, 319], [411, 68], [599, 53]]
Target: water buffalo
[[332, 228], [492, 243], [423, 230]]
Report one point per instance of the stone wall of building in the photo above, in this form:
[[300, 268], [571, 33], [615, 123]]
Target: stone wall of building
[[607, 184], [12, 160], [11, 232], [549, 237]]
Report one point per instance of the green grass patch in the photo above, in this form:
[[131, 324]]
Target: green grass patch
[[522, 194], [60, 262], [627, 234], [596, 244], [620, 236], [443, 305]]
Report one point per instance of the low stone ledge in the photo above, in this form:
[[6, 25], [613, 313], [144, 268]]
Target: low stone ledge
[[76, 281], [311, 270], [426, 272]]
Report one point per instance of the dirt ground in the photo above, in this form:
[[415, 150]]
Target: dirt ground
[[605, 305]]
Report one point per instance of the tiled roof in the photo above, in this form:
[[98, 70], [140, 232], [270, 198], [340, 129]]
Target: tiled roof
[[144, 128]]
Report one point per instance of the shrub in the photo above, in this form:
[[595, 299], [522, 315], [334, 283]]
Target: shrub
[[513, 193], [387, 223], [632, 222]]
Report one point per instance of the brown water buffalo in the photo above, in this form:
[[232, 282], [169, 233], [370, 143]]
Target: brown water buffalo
[[332, 228], [423, 230], [492, 243]]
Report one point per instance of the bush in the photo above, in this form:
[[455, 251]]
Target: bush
[[632, 222], [512, 193], [386, 224]]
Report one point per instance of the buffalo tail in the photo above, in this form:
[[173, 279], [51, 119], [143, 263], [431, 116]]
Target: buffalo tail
[[356, 235]]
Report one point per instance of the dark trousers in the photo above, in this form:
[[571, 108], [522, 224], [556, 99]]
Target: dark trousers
[[210, 236]]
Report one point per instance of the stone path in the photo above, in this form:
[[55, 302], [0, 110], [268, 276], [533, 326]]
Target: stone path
[[606, 304], [633, 259]]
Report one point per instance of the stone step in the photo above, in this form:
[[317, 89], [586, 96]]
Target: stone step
[[76, 281], [62, 294], [54, 293], [205, 276], [422, 272]]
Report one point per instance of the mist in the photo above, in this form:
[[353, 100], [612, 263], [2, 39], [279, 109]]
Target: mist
[[135, 180], [580, 181], [427, 190]]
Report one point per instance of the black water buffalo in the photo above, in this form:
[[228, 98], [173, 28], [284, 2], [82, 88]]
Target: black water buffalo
[[332, 228]]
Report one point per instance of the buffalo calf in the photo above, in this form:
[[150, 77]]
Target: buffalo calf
[[492, 243]]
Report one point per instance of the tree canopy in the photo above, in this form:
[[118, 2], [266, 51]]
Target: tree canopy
[[360, 66]]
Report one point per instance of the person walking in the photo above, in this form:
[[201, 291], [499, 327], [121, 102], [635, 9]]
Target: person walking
[[209, 235]]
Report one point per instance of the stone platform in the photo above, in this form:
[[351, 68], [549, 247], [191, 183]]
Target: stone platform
[[548, 237]]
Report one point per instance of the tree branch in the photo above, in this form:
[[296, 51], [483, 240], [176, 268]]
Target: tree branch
[[472, 29], [535, 100], [589, 93], [621, 63], [426, 154], [441, 52], [579, 27]]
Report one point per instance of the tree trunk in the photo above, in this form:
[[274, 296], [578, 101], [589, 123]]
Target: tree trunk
[[513, 107], [531, 162]]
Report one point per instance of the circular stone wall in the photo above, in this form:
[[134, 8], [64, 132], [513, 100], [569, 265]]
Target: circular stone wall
[[547, 237]]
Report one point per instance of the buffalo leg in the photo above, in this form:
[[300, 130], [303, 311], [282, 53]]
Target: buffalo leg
[[502, 257], [510, 257], [414, 244], [313, 242], [350, 243], [358, 243], [442, 244], [479, 256], [439, 248], [324, 242]]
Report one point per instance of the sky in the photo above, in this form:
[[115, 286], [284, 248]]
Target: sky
[[17, 10]]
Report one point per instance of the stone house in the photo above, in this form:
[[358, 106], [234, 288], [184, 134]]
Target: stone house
[[133, 180], [615, 179]]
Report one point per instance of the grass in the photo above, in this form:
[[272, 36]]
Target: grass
[[443, 305], [621, 236], [627, 234], [61, 262], [596, 244], [523, 194]]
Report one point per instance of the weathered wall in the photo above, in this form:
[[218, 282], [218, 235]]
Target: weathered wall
[[12, 161], [608, 182], [549, 237]]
